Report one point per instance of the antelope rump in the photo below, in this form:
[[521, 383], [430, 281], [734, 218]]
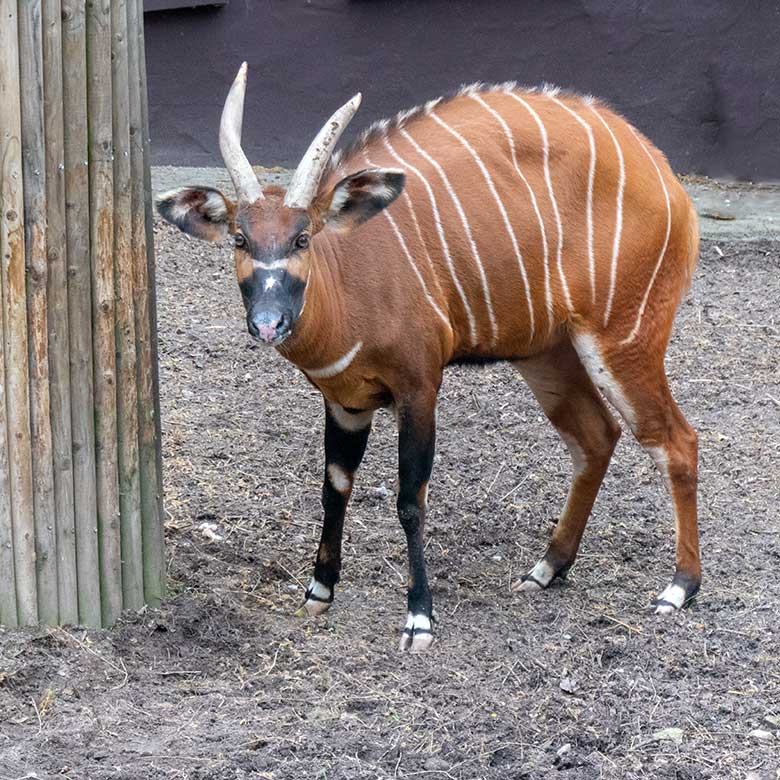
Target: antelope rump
[[500, 224]]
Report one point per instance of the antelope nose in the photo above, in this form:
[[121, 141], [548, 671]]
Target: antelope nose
[[268, 326]]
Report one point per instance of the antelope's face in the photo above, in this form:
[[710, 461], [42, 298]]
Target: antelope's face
[[272, 229], [272, 245]]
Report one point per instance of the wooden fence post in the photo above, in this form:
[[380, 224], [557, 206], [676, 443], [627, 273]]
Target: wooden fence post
[[80, 473]]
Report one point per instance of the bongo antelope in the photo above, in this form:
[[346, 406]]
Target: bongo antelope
[[501, 224]]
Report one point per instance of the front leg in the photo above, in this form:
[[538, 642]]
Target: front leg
[[416, 444], [346, 435]]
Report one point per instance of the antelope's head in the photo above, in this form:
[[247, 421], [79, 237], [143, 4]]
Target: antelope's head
[[272, 229]]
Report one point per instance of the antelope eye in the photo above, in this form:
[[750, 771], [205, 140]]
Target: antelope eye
[[302, 242], [239, 240]]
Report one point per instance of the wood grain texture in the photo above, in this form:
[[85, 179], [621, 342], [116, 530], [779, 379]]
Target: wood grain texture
[[127, 393], [74, 52], [154, 565], [57, 290], [12, 254], [101, 219]]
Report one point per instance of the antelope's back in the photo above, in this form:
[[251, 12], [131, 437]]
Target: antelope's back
[[527, 211]]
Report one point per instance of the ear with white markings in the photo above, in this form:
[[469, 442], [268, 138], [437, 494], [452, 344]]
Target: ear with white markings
[[202, 212], [360, 196]]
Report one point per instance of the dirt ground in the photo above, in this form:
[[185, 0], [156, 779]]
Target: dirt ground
[[579, 682]]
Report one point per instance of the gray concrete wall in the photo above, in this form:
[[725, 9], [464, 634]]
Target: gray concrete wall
[[700, 78]]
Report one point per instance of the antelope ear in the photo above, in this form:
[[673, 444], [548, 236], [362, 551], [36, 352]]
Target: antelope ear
[[360, 196], [202, 212]]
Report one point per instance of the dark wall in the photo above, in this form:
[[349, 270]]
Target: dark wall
[[700, 78]]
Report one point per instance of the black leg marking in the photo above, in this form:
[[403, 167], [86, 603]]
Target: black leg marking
[[344, 449], [416, 446]]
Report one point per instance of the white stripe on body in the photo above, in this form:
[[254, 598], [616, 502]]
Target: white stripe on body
[[467, 229], [507, 224], [618, 215], [335, 368], [409, 257], [631, 336], [531, 194], [553, 201], [589, 204], [445, 247]]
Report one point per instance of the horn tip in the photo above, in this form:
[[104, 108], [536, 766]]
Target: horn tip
[[357, 100], [243, 70]]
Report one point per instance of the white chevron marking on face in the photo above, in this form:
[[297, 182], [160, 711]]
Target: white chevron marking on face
[[618, 215], [507, 224], [631, 336], [445, 248]]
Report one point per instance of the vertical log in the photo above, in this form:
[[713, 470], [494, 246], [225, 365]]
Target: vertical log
[[74, 88], [7, 568], [59, 339], [34, 173], [126, 366], [101, 218], [12, 254], [154, 569]]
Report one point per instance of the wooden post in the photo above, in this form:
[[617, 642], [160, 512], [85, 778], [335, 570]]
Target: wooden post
[[12, 253], [34, 170], [74, 92], [145, 326], [101, 231], [59, 338], [81, 534]]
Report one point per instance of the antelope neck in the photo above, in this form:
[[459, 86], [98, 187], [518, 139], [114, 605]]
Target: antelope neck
[[322, 334]]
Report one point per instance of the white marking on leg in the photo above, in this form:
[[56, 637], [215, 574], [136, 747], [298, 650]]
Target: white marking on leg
[[618, 214], [417, 635], [335, 368], [590, 355], [318, 589], [466, 228], [631, 336], [445, 248], [348, 421], [538, 578], [534, 203], [341, 481], [413, 265], [579, 460], [507, 224], [675, 595], [420, 621], [589, 203], [319, 597], [553, 201]]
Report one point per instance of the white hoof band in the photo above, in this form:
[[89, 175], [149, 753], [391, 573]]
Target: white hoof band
[[319, 597], [670, 600], [537, 579], [417, 635]]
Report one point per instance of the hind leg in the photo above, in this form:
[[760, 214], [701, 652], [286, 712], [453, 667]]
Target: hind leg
[[573, 405], [635, 383]]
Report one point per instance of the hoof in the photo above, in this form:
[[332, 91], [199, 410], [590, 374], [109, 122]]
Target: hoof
[[676, 596], [539, 578], [417, 635], [319, 597]]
